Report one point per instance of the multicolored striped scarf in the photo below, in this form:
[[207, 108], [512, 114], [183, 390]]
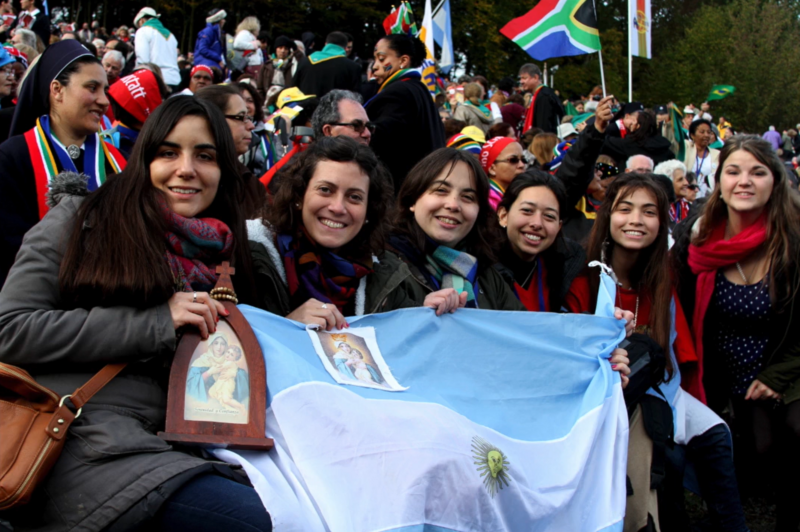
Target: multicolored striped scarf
[[315, 272], [195, 246], [454, 269]]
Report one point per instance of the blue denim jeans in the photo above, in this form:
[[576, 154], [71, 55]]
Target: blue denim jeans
[[711, 454], [213, 503]]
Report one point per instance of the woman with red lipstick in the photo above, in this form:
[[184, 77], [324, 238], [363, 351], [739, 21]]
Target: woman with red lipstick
[[739, 284], [54, 129], [116, 275]]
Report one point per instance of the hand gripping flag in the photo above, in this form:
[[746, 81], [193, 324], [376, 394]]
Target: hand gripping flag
[[502, 421], [556, 28], [719, 92]]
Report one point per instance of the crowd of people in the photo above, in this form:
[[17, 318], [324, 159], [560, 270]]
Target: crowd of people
[[338, 186]]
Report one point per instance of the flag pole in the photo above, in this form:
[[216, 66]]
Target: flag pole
[[630, 53], [602, 72], [545, 72], [439, 6]]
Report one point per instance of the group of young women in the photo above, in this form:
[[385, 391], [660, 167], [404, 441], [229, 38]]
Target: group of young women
[[117, 273]]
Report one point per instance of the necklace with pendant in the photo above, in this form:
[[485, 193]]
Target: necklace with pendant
[[73, 151]]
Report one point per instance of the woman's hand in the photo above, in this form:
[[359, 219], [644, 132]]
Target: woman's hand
[[759, 390], [445, 300], [619, 362], [603, 114], [197, 309], [315, 312], [626, 315]]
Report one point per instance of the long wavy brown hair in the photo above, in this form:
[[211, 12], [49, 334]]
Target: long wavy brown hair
[[651, 274], [783, 217]]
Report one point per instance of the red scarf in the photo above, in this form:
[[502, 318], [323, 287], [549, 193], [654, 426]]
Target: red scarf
[[622, 129], [529, 115], [705, 261]]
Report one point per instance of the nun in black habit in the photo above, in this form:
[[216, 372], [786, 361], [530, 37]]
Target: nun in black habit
[[55, 128]]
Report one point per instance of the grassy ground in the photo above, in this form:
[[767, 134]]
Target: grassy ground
[[759, 512]]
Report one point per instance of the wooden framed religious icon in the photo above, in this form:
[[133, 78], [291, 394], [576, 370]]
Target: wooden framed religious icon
[[218, 386]]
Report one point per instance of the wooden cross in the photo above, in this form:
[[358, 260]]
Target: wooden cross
[[225, 271]]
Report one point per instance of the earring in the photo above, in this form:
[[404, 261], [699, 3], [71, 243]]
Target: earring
[[366, 222], [297, 206]]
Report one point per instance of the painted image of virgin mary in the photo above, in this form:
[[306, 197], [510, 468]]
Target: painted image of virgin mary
[[203, 371]]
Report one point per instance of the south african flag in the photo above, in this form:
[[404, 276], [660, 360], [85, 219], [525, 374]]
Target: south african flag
[[556, 28], [400, 20], [718, 92]]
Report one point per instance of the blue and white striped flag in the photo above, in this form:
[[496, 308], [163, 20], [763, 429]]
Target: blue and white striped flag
[[443, 35], [510, 421]]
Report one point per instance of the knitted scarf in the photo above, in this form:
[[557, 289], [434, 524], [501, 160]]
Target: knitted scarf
[[453, 269], [195, 246], [158, 26], [705, 261], [315, 272]]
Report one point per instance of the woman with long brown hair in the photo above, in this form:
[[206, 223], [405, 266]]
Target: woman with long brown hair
[[739, 259], [116, 276], [630, 235]]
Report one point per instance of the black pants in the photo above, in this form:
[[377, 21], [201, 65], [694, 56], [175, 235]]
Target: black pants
[[768, 435]]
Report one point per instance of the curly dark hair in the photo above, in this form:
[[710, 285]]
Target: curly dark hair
[[283, 215], [483, 240]]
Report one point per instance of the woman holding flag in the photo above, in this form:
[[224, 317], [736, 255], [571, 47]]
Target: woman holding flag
[[403, 109], [55, 128]]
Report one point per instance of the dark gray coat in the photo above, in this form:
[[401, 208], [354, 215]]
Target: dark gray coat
[[112, 461]]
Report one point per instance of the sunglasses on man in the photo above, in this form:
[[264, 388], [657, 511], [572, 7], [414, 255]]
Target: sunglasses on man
[[358, 125]]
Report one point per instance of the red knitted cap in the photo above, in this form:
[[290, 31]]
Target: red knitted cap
[[137, 93]]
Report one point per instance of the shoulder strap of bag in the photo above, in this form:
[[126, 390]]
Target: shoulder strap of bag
[[95, 384]]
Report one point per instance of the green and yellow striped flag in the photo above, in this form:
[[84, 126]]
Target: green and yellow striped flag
[[718, 92]]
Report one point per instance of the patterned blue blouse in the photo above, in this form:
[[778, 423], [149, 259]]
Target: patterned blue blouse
[[743, 312]]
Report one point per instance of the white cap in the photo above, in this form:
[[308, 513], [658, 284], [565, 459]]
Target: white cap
[[565, 130], [145, 12]]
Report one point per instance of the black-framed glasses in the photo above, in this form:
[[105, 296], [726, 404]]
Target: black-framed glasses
[[242, 118], [514, 159], [357, 125]]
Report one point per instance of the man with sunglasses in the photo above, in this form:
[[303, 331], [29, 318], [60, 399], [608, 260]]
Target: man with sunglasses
[[340, 113]]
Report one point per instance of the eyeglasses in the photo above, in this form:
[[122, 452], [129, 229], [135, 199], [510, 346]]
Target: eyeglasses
[[357, 125], [513, 160], [9, 72], [693, 187], [242, 118]]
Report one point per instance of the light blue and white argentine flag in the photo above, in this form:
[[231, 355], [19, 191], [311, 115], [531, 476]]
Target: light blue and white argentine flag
[[512, 421], [443, 35]]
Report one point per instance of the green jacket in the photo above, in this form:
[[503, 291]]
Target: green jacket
[[388, 287], [493, 292]]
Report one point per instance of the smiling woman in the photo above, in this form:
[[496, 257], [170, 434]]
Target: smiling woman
[[446, 232], [116, 276], [54, 129]]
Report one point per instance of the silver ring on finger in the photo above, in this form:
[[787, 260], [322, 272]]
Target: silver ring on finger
[[194, 299], [324, 305]]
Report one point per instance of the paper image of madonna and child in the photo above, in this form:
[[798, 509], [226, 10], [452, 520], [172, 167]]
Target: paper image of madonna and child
[[217, 384], [354, 358]]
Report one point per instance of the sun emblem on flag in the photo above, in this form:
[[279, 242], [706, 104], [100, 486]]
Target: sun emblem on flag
[[492, 464]]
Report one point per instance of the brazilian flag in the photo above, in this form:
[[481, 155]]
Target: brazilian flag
[[718, 92]]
